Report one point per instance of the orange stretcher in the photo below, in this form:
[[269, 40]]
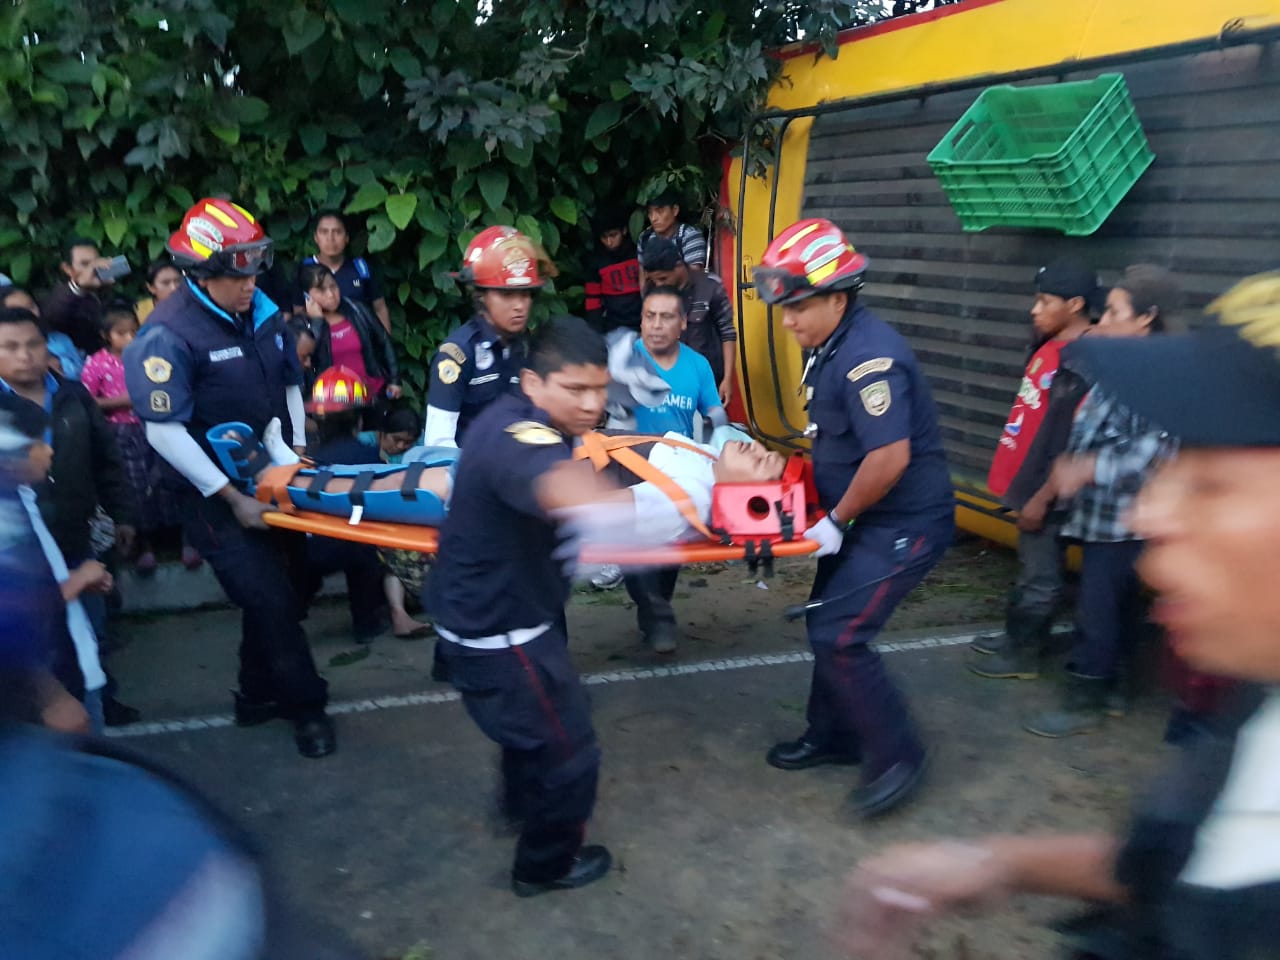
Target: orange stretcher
[[753, 522]]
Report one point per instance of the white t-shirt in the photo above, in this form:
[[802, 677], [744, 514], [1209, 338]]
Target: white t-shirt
[[657, 519], [1238, 845]]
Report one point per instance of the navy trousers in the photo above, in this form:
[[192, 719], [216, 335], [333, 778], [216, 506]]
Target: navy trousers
[[854, 704], [359, 563], [527, 699], [255, 568], [1109, 611]]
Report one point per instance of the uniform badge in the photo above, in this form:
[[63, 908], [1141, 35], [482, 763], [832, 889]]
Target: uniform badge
[[454, 351], [534, 433], [484, 357], [280, 341], [878, 365], [160, 402], [876, 397], [448, 371], [157, 369]]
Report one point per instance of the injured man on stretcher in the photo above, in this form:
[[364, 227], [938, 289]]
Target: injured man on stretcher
[[668, 481]]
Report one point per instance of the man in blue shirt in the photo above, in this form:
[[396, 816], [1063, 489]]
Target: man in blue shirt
[[881, 475], [693, 390]]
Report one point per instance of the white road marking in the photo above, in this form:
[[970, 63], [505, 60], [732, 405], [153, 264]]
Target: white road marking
[[189, 724]]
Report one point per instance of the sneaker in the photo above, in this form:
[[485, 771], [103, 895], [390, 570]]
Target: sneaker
[[607, 577]]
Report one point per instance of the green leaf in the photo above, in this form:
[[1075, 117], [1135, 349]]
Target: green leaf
[[249, 109], [370, 196], [99, 83], [381, 233], [313, 139], [369, 84], [400, 207], [431, 248], [181, 196], [590, 164], [432, 220], [348, 657], [565, 209], [620, 89], [529, 227], [227, 134], [405, 63], [116, 226], [493, 182], [301, 29], [603, 118], [50, 94], [711, 29], [519, 154], [357, 12], [19, 266]]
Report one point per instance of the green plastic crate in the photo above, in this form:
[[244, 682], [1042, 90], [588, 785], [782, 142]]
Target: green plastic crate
[[1060, 156]]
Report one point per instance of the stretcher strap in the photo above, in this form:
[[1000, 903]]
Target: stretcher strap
[[412, 474], [273, 487], [600, 449], [359, 487], [319, 482]]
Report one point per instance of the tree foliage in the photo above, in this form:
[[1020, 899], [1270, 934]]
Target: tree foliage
[[426, 121]]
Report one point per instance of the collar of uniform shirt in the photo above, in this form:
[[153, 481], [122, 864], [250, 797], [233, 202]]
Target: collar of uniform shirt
[[823, 353]]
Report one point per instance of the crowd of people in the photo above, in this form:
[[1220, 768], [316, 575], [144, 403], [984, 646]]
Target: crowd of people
[[112, 424]]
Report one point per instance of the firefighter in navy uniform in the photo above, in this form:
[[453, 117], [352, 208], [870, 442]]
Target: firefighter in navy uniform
[[497, 596], [217, 350], [882, 478], [481, 360]]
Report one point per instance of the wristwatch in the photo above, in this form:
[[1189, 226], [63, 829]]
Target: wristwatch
[[842, 525]]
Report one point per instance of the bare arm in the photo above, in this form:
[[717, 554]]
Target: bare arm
[[730, 350], [878, 472], [383, 314]]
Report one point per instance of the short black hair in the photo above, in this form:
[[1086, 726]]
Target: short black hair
[[667, 291], [401, 419], [566, 342], [115, 311], [301, 327], [154, 268], [20, 315], [76, 242], [325, 214]]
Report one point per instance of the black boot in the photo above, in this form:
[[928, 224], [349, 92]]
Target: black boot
[[1020, 658], [1081, 710], [805, 752]]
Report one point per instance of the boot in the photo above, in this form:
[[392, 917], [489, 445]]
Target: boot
[[990, 643], [1081, 710], [1020, 658]]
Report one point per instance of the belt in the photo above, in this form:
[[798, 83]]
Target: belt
[[499, 641]]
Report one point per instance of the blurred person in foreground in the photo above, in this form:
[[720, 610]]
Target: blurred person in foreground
[[1197, 876]]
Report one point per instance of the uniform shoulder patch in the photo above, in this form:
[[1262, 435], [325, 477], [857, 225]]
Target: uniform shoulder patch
[[448, 371], [534, 433], [876, 397], [160, 402], [157, 369], [453, 351], [878, 365]]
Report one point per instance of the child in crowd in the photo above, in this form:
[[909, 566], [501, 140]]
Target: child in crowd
[[1035, 433], [163, 279], [406, 569], [613, 275], [103, 377]]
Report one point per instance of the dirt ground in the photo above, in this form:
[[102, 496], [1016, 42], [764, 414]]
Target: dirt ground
[[718, 855]]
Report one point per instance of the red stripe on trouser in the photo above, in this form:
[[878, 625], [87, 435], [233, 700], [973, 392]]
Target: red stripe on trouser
[[547, 706], [846, 635]]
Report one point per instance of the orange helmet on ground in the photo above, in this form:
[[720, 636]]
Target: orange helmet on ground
[[220, 238], [809, 257], [336, 390], [501, 258]]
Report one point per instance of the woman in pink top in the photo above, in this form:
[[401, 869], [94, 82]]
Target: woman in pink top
[[103, 377], [347, 334]]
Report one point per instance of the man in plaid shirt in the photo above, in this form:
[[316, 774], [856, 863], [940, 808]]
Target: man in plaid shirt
[[1111, 453]]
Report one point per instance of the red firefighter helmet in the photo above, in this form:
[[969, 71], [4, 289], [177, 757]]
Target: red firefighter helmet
[[501, 258], [809, 257], [220, 238], [336, 390]]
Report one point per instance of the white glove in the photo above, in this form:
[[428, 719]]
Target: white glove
[[828, 536]]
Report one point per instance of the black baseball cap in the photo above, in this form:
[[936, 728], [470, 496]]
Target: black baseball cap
[[1067, 277], [1216, 387]]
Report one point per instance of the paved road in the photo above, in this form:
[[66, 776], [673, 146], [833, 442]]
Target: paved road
[[719, 855]]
